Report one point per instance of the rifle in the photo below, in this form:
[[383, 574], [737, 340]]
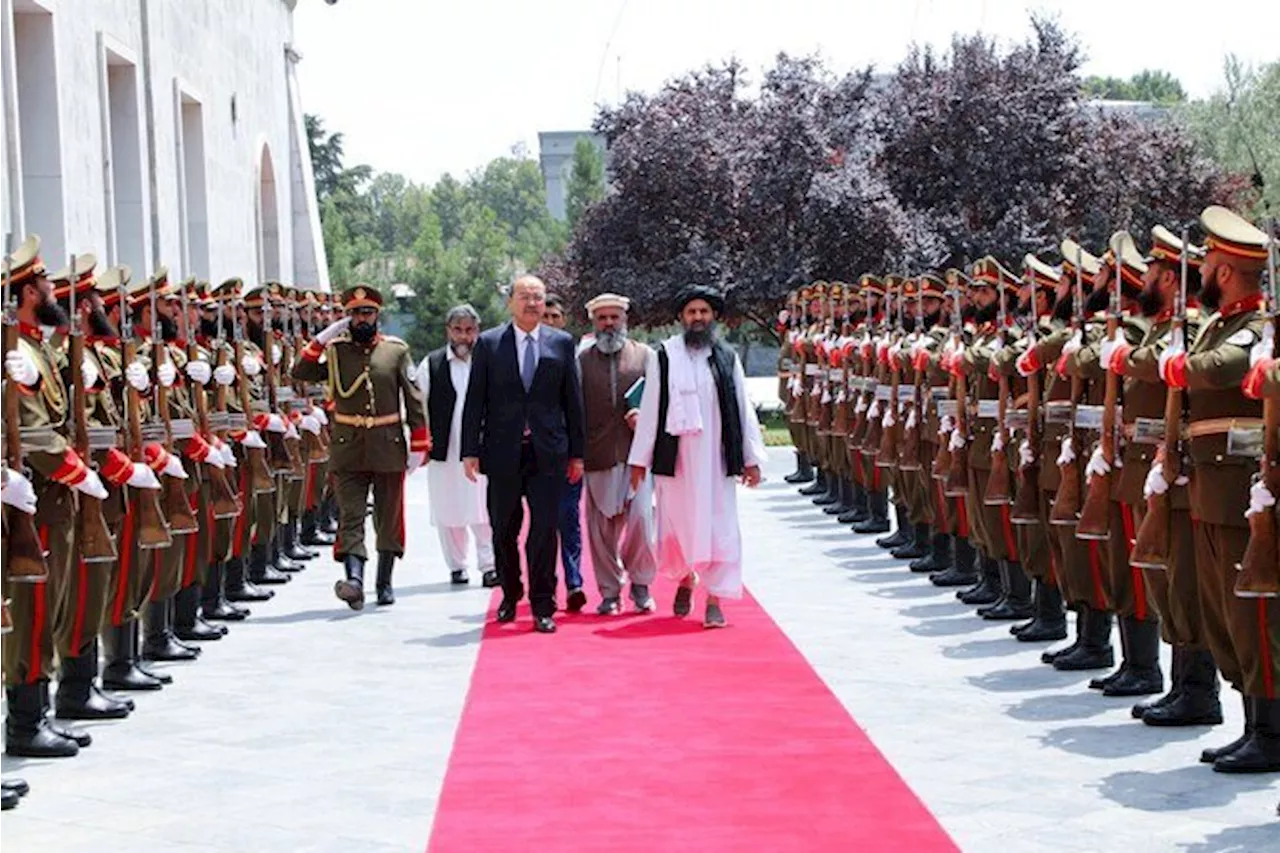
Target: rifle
[[1026, 503], [222, 495], [859, 430], [261, 481], [287, 394], [1095, 514], [1152, 546], [890, 435], [957, 482], [177, 506], [1260, 566], [318, 449], [942, 460], [909, 448], [279, 458], [24, 553], [96, 543], [153, 527], [999, 485], [875, 424], [1066, 503]]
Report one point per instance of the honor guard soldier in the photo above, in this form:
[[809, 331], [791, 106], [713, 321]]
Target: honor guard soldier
[[369, 375]]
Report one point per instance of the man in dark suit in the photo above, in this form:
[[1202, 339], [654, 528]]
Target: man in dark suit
[[522, 426]]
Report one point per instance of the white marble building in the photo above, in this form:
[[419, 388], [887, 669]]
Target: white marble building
[[159, 132], [555, 156]]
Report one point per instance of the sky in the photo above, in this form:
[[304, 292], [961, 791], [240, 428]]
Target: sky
[[424, 87]]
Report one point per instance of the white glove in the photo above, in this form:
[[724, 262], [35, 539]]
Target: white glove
[[310, 423], [1068, 453], [167, 374], [997, 442], [253, 439], [136, 374], [89, 370], [227, 454], [860, 406], [912, 420], [826, 394], [1110, 346], [1026, 454], [276, 352], [1098, 466], [417, 458], [275, 423], [251, 365], [224, 374], [143, 477], [173, 467], [290, 432], [1176, 347], [957, 440], [19, 493], [332, 331], [840, 397], [92, 486], [319, 414], [997, 344], [21, 368], [947, 424], [874, 411], [1266, 345], [889, 419], [199, 371], [1075, 343], [1260, 498], [1155, 484]]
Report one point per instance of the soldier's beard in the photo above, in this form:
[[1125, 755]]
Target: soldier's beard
[[256, 334], [51, 314], [932, 318], [1065, 308], [1097, 301], [698, 335], [986, 313], [168, 328], [209, 328], [1151, 301], [1211, 295], [100, 325], [611, 340], [362, 333]]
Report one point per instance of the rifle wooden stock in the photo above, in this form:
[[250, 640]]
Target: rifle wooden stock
[[223, 499], [152, 527], [96, 542], [1065, 511], [909, 449], [1151, 546], [1026, 503], [957, 482], [23, 550], [999, 484], [260, 479], [177, 505], [1095, 512], [1260, 567]]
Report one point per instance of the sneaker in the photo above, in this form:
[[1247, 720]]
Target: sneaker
[[684, 601], [609, 607], [643, 599], [714, 617], [459, 577], [577, 600]]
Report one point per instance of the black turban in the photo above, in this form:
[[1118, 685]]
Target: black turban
[[710, 295]]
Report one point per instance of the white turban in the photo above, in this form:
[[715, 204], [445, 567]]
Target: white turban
[[607, 300]]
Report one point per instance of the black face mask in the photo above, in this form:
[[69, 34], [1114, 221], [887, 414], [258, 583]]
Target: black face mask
[[986, 314], [698, 335], [100, 325], [168, 328], [51, 314], [362, 333], [208, 328]]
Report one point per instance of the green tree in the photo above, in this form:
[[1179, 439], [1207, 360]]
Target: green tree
[[1152, 85], [586, 180]]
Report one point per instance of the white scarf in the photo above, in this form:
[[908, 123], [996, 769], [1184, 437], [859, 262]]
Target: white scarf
[[684, 414]]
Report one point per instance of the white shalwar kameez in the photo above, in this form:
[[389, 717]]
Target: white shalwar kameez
[[457, 504], [697, 509]]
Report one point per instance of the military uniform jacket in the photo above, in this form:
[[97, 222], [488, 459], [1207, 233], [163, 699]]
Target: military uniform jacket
[[44, 407], [367, 383]]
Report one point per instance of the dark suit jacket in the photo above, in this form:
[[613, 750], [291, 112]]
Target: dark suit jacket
[[497, 406]]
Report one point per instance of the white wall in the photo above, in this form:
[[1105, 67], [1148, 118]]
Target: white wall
[[209, 51]]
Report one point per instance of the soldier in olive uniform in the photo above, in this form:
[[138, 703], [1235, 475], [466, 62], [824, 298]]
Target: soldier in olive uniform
[[1241, 631], [370, 375], [789, 327]]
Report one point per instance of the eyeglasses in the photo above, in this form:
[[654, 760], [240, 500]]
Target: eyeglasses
[[530, 296]]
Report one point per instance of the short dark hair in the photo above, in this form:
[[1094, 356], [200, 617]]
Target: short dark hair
[[554, 301]]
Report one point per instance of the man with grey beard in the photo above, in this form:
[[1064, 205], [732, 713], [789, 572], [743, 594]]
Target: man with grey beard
[[620, 531]]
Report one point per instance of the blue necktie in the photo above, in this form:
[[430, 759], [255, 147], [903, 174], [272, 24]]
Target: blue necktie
[[530, 362]]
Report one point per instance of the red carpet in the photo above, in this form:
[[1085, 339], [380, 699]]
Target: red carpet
[[647, 733]]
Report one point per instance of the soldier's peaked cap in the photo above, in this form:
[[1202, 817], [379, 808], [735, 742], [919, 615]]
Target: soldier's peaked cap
[[1071, 251], [1231, 233], [81, 272], [361, 296], [1167, 247], [25, 261], [1042, 274], [988, 271]]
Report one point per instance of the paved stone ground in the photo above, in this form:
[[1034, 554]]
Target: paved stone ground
[[312, 729]]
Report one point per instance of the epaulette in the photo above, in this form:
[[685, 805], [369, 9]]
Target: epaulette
[[394, 340]]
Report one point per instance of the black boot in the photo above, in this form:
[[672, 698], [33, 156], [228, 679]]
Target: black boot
[[213, 598], [1094, 651], [78, 697], [818, 486], [27, 731], [276, 556], [988, 589], [312, 535], [1053, 654], [1050, 620], [919, 547], [261, 571], [1142, 676], [832, 495], [845, 502], [1209, 756], [290, 546], [803, 472], [351, 588], [160, 643], [938, 557], [1195, 695], [239, 587], [1176, 669], [1261, 752], [121, 672], [878, 520], [963, 569], [187, 624], [900, 536], [1102, 682], [386, 562], [1016, 601], [328, 518], [859, 509]]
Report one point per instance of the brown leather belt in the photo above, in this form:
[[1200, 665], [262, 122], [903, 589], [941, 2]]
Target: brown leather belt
[[1218, 426], [367, 421]]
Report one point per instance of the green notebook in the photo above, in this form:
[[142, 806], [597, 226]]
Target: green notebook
[[635, 393]]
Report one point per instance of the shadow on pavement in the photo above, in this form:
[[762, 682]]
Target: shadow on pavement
[[910, 590], [1024, 680], [1120, 740], [655, 627], [941, 608], [1190, 787], [457, 639], [978, 649], [1238, 839], [332, 614], [881, 577], [1057, 707], [946, 627]]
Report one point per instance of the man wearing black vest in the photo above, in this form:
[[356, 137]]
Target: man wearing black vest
[[697, 432], [457, 504]]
